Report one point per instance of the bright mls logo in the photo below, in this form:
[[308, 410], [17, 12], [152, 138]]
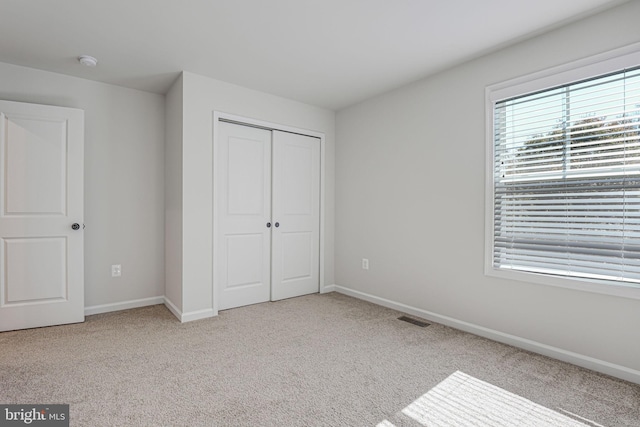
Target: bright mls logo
[[34, 415]]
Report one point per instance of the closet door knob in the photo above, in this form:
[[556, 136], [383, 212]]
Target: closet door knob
[[268, 225], [277, 224]]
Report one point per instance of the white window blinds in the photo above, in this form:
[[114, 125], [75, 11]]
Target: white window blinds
[[567, 180]]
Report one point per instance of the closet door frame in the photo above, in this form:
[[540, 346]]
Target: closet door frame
[[217, 117]]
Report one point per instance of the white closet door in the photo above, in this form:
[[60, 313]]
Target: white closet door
[[243, 191], [41, 197], [296, 215]]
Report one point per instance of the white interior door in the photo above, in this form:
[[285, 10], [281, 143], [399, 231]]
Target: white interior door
[[295, 265], [41, 196], [243, 192]]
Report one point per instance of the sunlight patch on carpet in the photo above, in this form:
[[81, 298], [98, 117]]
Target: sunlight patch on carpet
[[463, 400]]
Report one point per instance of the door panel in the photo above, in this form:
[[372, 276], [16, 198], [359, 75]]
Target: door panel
[[297, 251], [35, 166], [297, 181], [246, 176], [34, 285], [244, 260], [242, 257], [41, 196], [296, 207]]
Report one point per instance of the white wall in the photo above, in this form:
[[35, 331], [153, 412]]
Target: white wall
[[124, 182], [410, 171], [173, 195], [201, 96]]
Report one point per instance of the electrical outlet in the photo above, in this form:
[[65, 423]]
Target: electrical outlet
[[116, 270], [365, 264]]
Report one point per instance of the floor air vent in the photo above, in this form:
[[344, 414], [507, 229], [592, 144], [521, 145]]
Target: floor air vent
[[413, 321]]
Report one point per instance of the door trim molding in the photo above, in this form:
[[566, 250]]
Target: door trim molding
[[219, 115]]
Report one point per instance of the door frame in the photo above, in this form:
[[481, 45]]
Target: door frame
[[219, 115]]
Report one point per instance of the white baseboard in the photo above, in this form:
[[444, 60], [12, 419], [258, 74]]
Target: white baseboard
[[197, 315], [124, 305], [598, 365], [328, 288], [188, 316], [172, 308]]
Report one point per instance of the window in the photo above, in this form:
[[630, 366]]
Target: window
[[565, 180]]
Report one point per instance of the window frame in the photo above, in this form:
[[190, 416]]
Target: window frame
[[628, 56]]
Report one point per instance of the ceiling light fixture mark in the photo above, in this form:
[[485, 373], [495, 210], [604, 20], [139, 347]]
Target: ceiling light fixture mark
[[88, 61]]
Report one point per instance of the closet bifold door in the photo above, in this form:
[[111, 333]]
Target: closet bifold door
[[295, 238], [243, 192]]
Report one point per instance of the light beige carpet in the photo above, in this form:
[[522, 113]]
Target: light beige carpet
[[319, 360]]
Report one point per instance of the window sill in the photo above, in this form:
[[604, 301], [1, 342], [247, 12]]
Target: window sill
[[617, 289]]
